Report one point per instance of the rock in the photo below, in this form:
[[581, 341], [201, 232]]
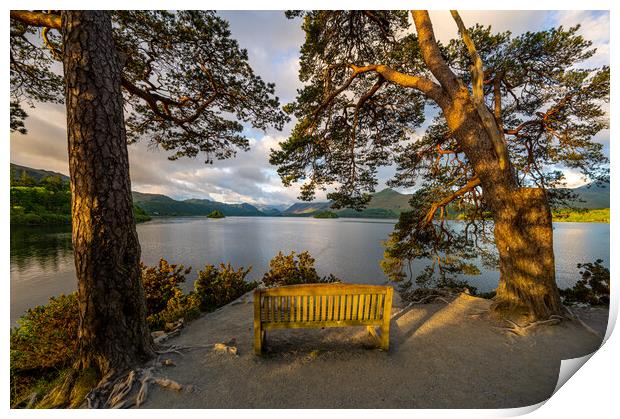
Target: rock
[[174, 326], [168, 383], [157, 334], [224, 348]]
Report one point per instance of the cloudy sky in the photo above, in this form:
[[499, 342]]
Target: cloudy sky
[[273, 44]]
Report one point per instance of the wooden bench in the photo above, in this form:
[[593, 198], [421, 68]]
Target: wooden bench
[[323, 305]]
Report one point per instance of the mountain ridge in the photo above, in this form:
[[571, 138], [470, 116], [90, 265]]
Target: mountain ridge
[[386, 203]]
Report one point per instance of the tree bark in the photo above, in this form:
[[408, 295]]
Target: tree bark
[[113, 333], [524, 238]]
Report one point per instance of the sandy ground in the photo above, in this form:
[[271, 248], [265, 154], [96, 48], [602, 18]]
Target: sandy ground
[[440, 357]]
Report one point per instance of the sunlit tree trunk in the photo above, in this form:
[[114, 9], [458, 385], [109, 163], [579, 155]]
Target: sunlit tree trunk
[[523, 226], [113, 333], [524, 239]]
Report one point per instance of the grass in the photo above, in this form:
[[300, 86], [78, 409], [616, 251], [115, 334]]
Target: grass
[[582, 216]]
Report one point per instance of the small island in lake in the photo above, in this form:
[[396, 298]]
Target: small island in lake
[[325, 214], [216, 214]]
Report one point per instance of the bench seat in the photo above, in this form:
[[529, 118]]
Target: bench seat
[[323, 305]]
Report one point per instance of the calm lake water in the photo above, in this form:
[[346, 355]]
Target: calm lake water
[[42, 259]]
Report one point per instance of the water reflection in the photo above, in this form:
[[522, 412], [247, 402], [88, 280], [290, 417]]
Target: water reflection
[[44, 247]]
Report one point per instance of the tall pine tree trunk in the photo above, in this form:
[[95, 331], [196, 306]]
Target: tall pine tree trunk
[[113, 333]]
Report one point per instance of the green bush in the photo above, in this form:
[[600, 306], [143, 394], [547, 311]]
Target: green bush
[[180, 306], [293, 269], [161, 284], [45, 336], [592, 288], [140, 215], [218, 286]]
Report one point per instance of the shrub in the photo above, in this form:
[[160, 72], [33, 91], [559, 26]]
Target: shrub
[[161, 284], [180, 306], [294, 269], [45, 336], [592, 288], [217, 286]]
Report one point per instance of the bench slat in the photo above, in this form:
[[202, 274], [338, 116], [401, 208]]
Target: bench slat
[[320, 324]]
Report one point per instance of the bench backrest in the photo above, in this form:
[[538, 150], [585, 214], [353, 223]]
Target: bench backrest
[[323, 305]]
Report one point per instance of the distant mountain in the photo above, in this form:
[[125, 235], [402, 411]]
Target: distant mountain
[[306, 208], [384, 204], [387, 203], [594, 196], [155, 204], [271, 210], [37, 174]]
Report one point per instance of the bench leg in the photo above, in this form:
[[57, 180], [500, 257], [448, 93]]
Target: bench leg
[[385, 337], [372, 332], [258, 341]]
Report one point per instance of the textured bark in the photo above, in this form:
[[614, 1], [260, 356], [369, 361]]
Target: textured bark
[[113, 334], [524, 239]]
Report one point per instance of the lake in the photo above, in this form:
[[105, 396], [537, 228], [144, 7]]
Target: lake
[[42, 258]]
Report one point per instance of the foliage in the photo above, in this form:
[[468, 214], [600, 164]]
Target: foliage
[[187, 83], [45, 336], [43, 343], [581, 215], [217, 286], [179, 306], [46, 201], [592, 288], [441, 261], [362, 101], [42, 347], [293, 269], [140, 215], [325, 214], [161, 284], [216, 214]]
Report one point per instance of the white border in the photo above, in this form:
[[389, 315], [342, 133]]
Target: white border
[[591, 393]]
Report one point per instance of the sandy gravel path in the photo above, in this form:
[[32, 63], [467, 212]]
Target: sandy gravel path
[[440, 357]]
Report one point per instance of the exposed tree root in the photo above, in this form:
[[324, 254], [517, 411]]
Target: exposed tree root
[[477, 314], [424, 300], [130, 389], [523, 330], [575, 317]]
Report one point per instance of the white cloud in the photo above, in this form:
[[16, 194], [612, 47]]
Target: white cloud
[[516, 21]]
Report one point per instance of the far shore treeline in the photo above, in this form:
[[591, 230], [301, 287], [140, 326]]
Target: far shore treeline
[[41, 197]]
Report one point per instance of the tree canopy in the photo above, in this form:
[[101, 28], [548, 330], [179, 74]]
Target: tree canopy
[[370, 85], [187, 84]]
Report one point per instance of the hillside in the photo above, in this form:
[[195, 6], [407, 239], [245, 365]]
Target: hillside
[[384, 204], [387, 203], [594, 196], [155, 204], [36, 174]]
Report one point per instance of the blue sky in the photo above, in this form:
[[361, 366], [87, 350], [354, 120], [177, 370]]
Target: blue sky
[[273, 44]]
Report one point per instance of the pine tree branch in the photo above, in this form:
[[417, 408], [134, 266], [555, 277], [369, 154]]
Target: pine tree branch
[[40, 19], [469, 186]]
